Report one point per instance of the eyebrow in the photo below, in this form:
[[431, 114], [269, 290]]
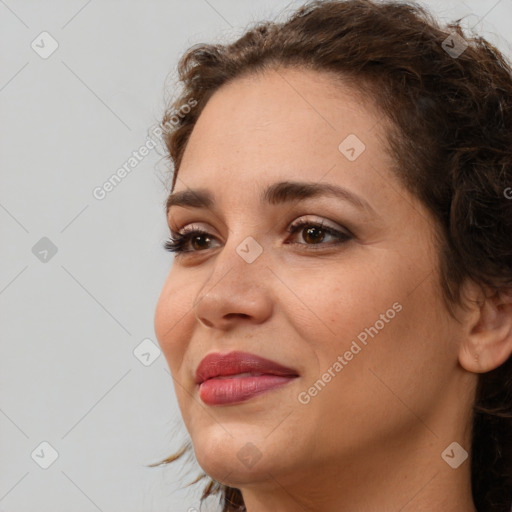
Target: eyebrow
[[277, 193]]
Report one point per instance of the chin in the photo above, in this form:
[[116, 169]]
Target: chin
[[225, 467], [243, 457]]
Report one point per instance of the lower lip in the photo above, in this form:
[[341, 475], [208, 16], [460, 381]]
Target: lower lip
[[230, 390]]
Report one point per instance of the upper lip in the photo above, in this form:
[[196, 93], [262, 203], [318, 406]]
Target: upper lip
[[233, 363]]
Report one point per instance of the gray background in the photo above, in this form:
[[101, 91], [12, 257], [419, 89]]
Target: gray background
[[71, 321]]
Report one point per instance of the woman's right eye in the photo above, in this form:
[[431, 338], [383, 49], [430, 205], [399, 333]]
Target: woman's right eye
[[179, 242]]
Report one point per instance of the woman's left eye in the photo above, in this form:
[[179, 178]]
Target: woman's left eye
[[315, 234]]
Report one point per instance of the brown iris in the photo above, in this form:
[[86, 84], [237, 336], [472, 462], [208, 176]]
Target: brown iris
[[314, 233], [196, 244]]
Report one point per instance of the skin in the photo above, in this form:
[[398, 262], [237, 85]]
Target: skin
[[372, 438]]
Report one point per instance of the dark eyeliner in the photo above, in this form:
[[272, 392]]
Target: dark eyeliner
[[178, 241], [342, 236]]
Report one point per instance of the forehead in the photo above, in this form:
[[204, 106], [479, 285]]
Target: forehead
[[283, 124]]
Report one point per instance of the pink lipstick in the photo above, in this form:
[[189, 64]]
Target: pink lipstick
[[238, 376]]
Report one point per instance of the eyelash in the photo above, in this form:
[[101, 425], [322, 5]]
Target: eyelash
[[177, 242]]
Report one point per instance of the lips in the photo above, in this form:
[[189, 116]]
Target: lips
[[227, 379], [236, 363]]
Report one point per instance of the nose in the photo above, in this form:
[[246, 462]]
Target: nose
[[237, 290]]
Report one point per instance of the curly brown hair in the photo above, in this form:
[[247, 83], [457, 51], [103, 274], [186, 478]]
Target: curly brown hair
[[452, 144]]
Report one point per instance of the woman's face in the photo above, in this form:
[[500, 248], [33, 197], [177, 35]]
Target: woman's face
[[353, 307]]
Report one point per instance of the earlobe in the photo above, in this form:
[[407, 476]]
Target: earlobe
[[488, 342]]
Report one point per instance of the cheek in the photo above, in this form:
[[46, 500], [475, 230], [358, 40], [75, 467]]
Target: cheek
[[395, 348], [382, 316], [173, 321], [332, 303]]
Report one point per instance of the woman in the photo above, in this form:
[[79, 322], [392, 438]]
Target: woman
[[338, 316]]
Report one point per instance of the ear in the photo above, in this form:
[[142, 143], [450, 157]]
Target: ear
[[488, 340]]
